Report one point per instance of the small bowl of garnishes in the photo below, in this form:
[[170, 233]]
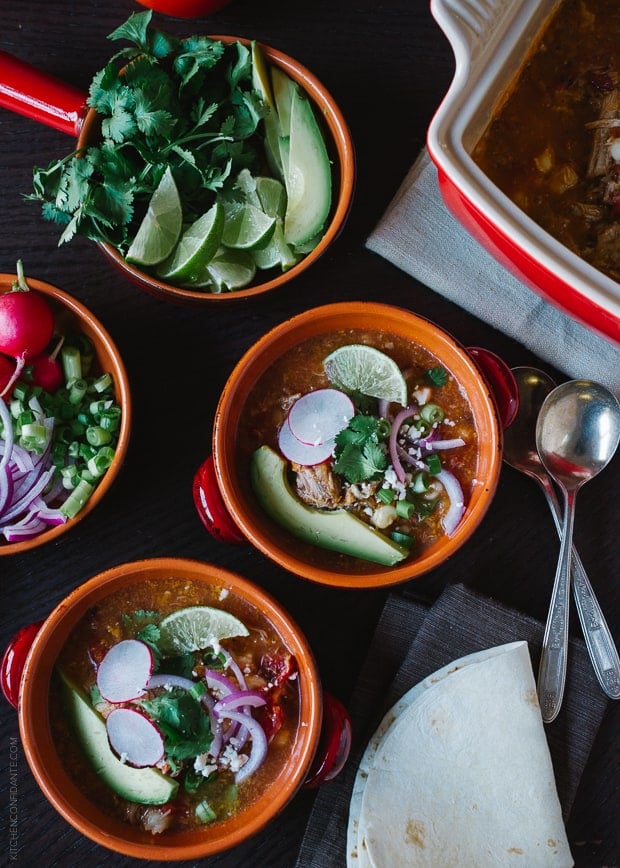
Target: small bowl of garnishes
[[356, 445], [207, 168], [65, 412], [169, 709]]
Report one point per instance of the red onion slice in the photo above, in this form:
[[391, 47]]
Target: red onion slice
[[318, 416], [240, 699], [399, 419], [134, 737], [125, 671], [259, 744], [456, 509]]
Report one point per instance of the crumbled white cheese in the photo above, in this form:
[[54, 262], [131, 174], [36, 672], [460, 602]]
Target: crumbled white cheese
[[202, 765], [231, 759]]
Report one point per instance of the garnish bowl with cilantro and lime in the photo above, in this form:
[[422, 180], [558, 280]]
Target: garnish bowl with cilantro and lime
[[357, 445], [206, 168], [170, 708]]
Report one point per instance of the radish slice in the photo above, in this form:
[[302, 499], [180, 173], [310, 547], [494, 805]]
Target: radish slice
[[125, 671], [294, 450], [134, 737], [318, 416]]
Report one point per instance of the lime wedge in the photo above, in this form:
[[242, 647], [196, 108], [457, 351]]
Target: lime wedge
[[272, 196], [196, 248], [360, 368], [277, 253], [227, 271], [160, 229], [195, 628], [247, 227]]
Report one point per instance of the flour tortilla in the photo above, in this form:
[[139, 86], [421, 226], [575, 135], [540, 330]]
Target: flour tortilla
[[459, 774]]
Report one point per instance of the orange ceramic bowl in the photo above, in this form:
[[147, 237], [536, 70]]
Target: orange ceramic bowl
[[84, 813], [342, 155], [70, 313], [232, 473]]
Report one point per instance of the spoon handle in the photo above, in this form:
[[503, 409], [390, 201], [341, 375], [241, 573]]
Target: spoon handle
[[552, 671], [599, 641]]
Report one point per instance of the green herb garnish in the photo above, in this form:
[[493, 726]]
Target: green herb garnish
[[182, 720], [187, 104], [360, 453], [438, 376]]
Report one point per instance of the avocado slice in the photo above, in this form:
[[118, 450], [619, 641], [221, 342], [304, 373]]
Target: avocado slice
[[148, 786], [335, 529], [262, 85], [304, 159]]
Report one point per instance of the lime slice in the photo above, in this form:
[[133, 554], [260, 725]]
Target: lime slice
[[197, 246], [247, 227], [160, 229], [195, 628], [277, 252], [272, 196], [360, 368], [227, 271]]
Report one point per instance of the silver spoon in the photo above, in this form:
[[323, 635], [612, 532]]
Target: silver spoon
[[520, 453], [577, 433]]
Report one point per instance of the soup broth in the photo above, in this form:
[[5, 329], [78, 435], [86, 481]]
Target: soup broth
[[553, 146]]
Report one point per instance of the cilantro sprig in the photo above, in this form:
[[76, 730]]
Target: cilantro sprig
[[360, 451], [184, 103]]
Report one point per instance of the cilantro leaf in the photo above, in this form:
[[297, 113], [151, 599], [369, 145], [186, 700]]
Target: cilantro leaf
[[360, 456], [361, 464], [183, 722], [438, 376]]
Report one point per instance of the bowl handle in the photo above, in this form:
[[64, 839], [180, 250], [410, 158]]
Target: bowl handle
[[13, 661], [501, 380], [334, 745], [39, 96], [211, 508]]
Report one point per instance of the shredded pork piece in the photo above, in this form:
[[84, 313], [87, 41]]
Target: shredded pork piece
[[318, 486]]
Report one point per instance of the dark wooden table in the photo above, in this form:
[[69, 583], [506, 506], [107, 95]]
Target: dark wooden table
[[388, 65]]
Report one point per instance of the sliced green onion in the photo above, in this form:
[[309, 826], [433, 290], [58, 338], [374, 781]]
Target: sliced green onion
[[71, 363], [403, 539], [102, 383], [77, 499], [420, 483], [77, 390], [405, 509], [205, 812], [99, 463], [433, 462], [385, 495], [383, 428], [20, 391], [432, 413], [198, 689], [97, 436]]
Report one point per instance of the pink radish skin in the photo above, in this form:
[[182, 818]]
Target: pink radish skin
[[46, 372], [294, 450], [7, 367], [125, 671], [134, 738], [26, 327], [318, 416]]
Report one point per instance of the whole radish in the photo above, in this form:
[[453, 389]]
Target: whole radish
[[7, 368], [46, 369], [26, 325]]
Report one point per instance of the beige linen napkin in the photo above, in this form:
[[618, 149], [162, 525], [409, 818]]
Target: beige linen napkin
[[419, 235]]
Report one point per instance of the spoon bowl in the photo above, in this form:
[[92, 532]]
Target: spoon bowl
[[577, 434], [520, 452]]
